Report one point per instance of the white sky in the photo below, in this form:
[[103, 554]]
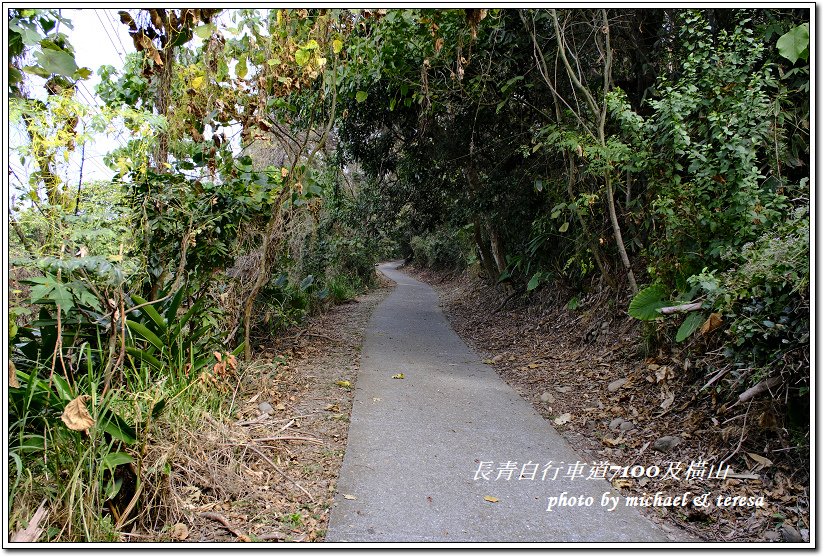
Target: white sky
[[98, 39]]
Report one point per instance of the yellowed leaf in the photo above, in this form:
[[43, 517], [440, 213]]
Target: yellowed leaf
[[398, 376], [344, 384], [491, 499], [713, 322], [197, 82], [612, 442], [619, 482], [350, 497], [533, 366], [13, 375], [75, 415], [337, 46]]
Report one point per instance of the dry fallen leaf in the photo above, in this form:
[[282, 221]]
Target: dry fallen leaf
[[712, 323], [618, 482], [612, 442], [563, 418], [763, 462], [663, 373], [668, 401], [31, 532], [75, 415], [13, 375], [180, 531], [350, 497], [533, 366], [332, 407], [491, 499]]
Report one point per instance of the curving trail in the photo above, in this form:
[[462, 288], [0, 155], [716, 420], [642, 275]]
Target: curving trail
[[416, 443]]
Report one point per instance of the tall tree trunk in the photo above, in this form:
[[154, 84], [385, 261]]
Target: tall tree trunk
[[497, 244], [484, 252]]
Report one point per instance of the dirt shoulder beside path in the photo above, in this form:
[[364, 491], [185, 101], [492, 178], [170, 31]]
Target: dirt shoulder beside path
[[583, 370], [270, 473]]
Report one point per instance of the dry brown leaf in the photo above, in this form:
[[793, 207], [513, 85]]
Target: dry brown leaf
[[663, 373], [713, 322], [180, 531], [612, 442], [668, 400], [31, 532], [75, 415], [618, 482], [491, 499], [350, 497], [13, 376], [563, 418], [763, 462]]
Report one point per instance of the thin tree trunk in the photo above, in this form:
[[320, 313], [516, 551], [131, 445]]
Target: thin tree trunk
[[485, 254]]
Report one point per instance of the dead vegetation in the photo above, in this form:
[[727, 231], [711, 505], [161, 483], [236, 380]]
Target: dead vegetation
[[268, 472]]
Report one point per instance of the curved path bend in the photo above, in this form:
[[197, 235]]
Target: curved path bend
[[417, 444]]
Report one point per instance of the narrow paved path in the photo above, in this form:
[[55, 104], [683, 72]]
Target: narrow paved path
[[416, 445]]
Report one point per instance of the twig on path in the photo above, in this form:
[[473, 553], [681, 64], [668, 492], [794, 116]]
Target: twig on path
[[318, 335], [740, 440], [228, 525], [289, 438], [272, 536], [281, 472]]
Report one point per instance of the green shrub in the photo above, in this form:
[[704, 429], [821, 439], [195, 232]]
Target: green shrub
[[443, 249]]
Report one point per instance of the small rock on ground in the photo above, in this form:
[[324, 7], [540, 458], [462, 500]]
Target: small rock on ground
[[266, 408], [791, 535], [547, 397], [666, 443], [617, 384]]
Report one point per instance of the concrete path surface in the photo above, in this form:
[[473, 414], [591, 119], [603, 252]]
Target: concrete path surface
[[416, 446]]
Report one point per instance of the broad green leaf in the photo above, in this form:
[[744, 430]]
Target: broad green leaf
[[62, 297], [534, 282], [144, 356], [113, 460], [118, 428], [794, 44], [143, 332], [153, 314], [205, 31], [337, 46], [564, 227], [56, 62], [360, 96], [689, 326], [241, 69], [647, 302], [312, 44], [301, 57]]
